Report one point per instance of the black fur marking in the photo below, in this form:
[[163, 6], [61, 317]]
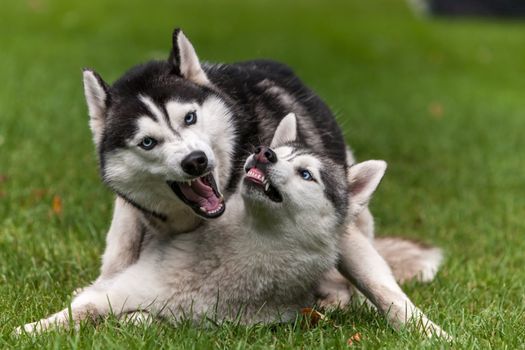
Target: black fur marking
[[174, 58], [333, 176], [250, 90], [143, 232], [144, 211], [102, 163], [167, 119], [154, 80], [336, 190], [258, 112]]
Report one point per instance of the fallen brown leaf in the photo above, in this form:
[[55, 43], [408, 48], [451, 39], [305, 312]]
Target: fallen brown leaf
[[355, 338], [436, 110], [312, 316], [57, 205]]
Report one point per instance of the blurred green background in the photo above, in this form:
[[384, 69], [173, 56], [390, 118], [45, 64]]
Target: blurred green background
[[442, 101]]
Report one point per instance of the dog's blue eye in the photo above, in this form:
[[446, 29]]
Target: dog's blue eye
[[306, 175], [190, 118], [148, 143]]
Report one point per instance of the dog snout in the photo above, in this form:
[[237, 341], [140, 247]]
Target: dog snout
[[265, 155], [195, 163]]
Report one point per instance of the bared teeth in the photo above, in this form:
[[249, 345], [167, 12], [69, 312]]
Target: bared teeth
[[214, 211], [256, 175], [267, 186]]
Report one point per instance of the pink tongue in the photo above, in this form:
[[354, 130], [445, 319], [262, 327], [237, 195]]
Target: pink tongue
[[201, 194]]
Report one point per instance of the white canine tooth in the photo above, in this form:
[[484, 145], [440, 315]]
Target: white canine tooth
[[267, 186]]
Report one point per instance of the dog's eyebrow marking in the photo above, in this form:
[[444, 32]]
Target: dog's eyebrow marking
[[290, 155], [176, 109], [150, 105], [157, 113]]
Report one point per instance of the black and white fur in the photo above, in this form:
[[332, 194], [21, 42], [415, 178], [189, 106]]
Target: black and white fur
[[237, 106], [259, 262]]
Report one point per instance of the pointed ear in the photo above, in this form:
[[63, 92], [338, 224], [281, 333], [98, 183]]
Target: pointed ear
[[286, 131], [363, 180], [97, 98], [185, 61]]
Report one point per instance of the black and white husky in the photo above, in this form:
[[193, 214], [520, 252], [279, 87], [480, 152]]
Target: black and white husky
[[172, 136], [259, 262]]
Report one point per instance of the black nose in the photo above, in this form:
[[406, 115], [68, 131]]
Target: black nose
[[195, 163], [265, 155]]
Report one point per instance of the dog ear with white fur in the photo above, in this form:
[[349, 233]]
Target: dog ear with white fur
[[363, 179], [96, 92], [286, 131], [185, 61]]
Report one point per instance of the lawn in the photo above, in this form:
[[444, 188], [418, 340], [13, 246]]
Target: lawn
[[442, 101]]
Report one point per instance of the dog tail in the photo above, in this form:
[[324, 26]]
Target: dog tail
[[409, 260]]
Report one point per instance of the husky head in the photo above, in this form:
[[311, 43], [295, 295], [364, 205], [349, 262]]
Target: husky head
[[289, 179], [163, 134]]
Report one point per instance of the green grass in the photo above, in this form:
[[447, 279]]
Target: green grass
[[441, 101]]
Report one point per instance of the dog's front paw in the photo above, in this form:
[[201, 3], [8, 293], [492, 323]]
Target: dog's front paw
[[30, 328], [137, 318], [431, 330], [77, 291]]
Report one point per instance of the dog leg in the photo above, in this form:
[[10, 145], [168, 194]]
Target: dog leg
[[137, 318], [123, 241], [333, 291], [122, 295], [88, 305], [369, 272]]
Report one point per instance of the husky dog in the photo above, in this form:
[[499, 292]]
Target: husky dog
[[258, 262], [172, 135]]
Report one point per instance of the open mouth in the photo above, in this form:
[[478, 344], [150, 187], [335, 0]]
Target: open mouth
[[257, 177], [201, 195]]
